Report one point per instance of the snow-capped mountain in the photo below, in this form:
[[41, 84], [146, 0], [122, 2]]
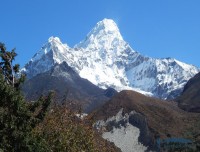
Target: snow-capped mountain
[[165, 78], [106, 60], [51, 53]]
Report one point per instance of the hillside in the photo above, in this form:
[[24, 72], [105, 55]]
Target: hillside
[[189, 100], [153, 117]]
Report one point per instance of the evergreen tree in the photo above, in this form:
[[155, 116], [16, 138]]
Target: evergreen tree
[[17, 117]]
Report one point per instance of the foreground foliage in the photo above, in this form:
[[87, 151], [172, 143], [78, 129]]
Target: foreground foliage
[[17, 117], [63, 130]]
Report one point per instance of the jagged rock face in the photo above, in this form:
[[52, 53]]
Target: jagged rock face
[[106, 60], [189, 99]]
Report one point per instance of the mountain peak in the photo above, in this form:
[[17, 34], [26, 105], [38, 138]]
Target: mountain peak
[[107, 27], [54, 40], [47, 47], [105, 32], [107, 24]]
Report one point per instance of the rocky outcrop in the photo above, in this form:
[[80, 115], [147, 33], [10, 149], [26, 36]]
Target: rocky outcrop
[[128, 131], [153, 118]]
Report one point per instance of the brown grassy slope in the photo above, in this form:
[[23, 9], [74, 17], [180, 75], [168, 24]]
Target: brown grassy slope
[[163, 118]]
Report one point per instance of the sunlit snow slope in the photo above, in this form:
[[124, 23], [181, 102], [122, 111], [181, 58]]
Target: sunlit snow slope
[[106, 60]]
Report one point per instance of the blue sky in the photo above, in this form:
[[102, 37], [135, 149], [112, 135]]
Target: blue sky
[[154, 28]]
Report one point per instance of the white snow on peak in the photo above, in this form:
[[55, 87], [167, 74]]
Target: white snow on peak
[[106, 60], [57, 47], [107, 25], [105, 33], [52, 52], [185, 66], [56, 39], [101, 56], [53, 42]]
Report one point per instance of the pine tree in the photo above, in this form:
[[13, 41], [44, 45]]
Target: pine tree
[[17, 117]]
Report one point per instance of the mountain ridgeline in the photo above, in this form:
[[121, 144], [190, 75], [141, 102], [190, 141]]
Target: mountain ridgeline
[[106, 60]]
